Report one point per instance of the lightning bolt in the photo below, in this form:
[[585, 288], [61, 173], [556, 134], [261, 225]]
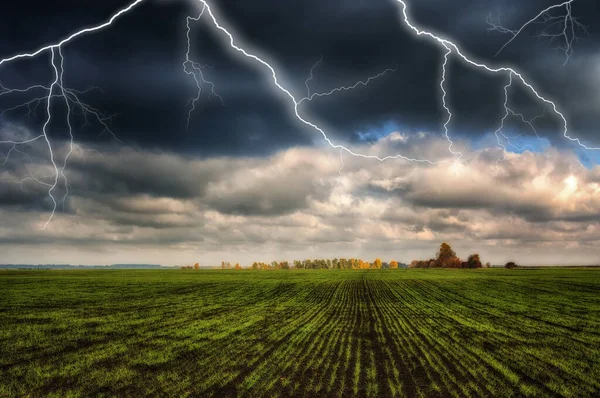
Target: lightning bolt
[[527, 122], [445, 104], [309, 97], [73, 36], [71, 95], [568, 32], [500, 130], [57, 89], [287, 93], [364, 83], [70, 127], [58, 84], [195, 70], [451, 49], [311, 76]]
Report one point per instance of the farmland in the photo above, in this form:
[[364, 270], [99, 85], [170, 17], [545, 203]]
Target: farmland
[[417, 332]]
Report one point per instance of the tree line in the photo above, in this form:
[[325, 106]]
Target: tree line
[[224, 265], [444, 258], [341, 263]]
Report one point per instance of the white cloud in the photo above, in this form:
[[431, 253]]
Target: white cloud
[[128, 205]]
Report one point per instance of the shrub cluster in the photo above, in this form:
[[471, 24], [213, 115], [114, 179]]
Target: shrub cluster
[[447, 258]]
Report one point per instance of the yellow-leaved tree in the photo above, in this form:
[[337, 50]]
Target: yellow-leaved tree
[[446, 258]]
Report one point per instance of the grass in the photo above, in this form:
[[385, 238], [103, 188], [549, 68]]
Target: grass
[[303, 333]]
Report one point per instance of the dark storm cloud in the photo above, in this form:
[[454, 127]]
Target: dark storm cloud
[[361, 38], [138, 65], [164, 190], [139, 173], [228, 185], [24, 197]]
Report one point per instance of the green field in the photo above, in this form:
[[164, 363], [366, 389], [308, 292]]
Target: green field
[[304, 333]]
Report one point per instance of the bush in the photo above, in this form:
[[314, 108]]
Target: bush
[[474, 261], [510, 265]]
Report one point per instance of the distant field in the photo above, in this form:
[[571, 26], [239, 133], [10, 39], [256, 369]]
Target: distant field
[[304, 333]]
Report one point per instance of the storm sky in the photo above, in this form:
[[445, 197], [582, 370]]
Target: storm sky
[[246, 181]]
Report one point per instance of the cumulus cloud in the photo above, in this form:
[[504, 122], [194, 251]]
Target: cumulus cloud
[[302, 202]]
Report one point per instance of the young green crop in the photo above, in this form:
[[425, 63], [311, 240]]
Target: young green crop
[[417, 332]]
